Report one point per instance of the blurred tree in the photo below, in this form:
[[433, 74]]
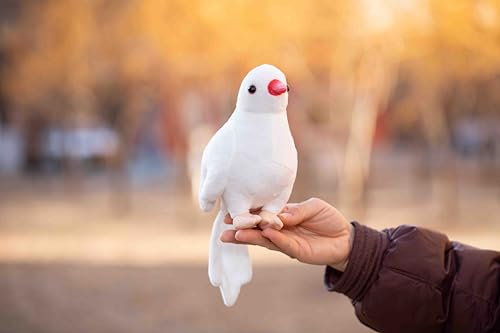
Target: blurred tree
[[346, 61]]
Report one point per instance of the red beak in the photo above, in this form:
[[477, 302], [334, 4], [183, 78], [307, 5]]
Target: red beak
[[276, 87]]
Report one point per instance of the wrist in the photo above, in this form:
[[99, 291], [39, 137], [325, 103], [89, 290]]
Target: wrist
[[342, 265]]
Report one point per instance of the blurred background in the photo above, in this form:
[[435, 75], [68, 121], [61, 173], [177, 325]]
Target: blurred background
[[106, 106]]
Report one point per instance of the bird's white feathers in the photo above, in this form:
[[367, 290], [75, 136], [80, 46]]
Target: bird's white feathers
[[229, 265], [251, 162]]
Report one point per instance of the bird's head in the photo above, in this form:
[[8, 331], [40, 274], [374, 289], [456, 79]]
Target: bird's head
[[263, 90]]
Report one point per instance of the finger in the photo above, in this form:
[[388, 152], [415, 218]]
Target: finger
[[228, 219], [228, 236], [296, 213], [285, 244], [254, 237], [248, 236]]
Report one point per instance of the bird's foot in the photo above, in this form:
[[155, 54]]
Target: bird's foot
[[270, 220], [246, 221]]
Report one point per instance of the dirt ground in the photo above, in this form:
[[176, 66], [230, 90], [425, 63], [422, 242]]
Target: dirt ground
[[89, 260], [169, 298]]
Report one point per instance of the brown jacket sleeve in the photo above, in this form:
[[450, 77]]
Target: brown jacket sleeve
[[410, 279]]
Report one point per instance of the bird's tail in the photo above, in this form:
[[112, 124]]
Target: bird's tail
[[229, 265]]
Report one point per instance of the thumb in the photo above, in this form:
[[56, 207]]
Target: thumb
[[296, 213]]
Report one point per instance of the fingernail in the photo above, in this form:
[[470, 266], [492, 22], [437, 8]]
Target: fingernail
[[237, 234]]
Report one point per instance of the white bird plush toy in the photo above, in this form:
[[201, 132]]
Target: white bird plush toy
[[250, 163]]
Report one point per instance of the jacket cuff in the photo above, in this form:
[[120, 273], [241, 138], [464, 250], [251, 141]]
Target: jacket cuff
[[364, 263]]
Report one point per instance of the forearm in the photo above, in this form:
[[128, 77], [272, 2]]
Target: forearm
[[414, 280]]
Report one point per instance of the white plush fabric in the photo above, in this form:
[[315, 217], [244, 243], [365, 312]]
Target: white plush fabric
[[251, 162]]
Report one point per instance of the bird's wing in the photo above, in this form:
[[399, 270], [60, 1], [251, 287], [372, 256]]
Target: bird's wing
[[215, 166]]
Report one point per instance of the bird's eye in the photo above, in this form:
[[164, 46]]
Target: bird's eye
[[287, 88], [252, 89]]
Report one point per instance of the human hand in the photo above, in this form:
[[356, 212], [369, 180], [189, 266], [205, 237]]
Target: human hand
[[314, 232]]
